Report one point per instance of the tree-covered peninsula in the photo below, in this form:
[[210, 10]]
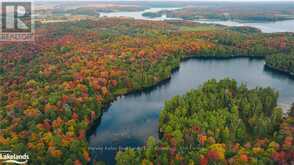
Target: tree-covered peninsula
[[219, 123]]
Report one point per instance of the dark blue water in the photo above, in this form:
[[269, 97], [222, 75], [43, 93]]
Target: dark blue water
[[131, 119]]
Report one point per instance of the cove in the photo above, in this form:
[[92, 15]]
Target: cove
[[132, 118]]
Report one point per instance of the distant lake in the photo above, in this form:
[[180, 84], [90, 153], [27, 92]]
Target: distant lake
[[266, 27], [131, 119], [138, 14]]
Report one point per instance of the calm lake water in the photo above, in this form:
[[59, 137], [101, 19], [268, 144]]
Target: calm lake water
[[266, 27], [131, 119], [138, 14]]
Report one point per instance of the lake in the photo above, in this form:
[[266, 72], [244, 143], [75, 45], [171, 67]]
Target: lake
[[266, 27], [138, 14], [131, 119]]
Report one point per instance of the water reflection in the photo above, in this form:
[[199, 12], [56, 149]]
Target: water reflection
[[131, 119]]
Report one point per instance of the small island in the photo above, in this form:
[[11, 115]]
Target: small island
[[152, 14]]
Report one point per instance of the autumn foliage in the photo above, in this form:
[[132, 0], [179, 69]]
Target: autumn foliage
[[220, 123], [51, 90]]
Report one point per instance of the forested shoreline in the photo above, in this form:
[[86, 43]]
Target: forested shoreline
[[219, 123], [281, 62], [53, 89], [239, 12]]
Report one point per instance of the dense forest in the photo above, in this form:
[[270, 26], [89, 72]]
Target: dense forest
[[281, 62], [53, 89], [219, 123]]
